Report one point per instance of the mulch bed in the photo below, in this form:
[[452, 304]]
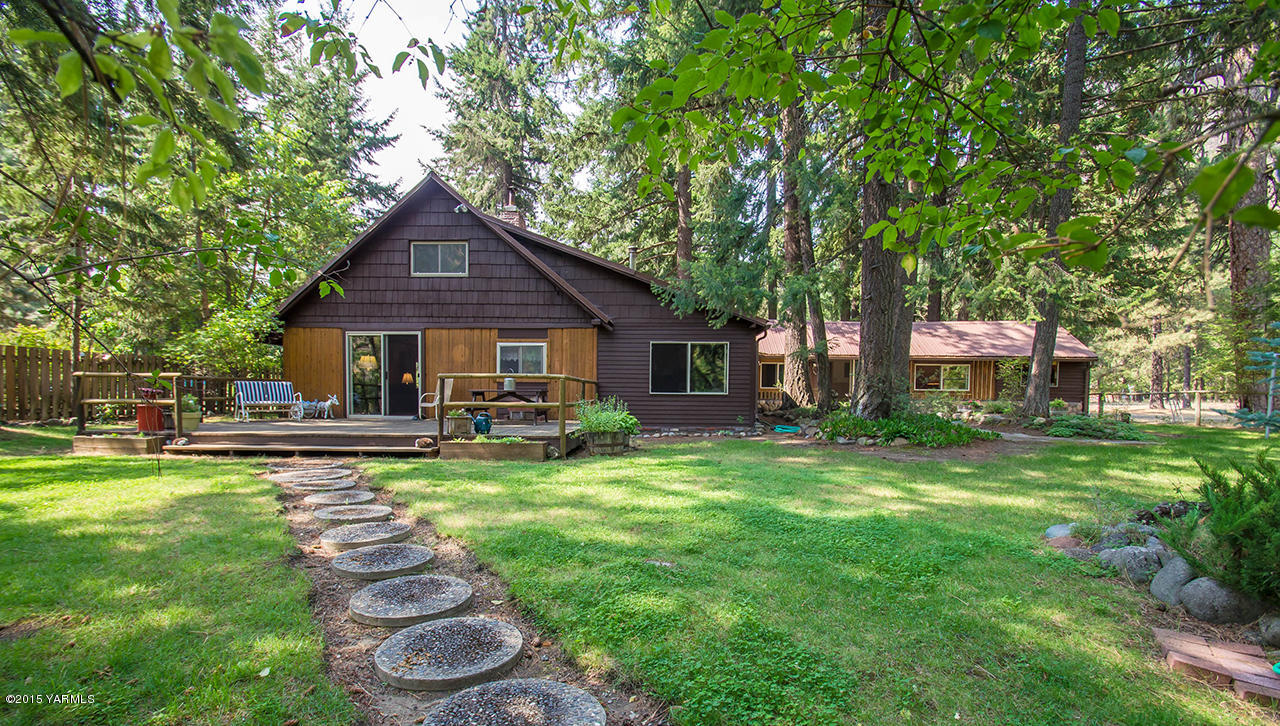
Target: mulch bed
[[349, 646]]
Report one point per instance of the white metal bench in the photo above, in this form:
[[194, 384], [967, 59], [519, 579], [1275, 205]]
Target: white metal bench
[[267, 397]]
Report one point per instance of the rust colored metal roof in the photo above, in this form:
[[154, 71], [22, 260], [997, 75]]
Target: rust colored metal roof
[[959, 339]]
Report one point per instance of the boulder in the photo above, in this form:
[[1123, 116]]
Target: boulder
[[1039, 422], [1168, 582], [1137, 564], [843, 440], [994, 418], [1059, 530], [866, 441], [900, 441], [1137, 528], [1112, 541], [1212, 602], [1270, 627]]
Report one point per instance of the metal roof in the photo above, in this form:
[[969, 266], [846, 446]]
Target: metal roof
[[958, 339]]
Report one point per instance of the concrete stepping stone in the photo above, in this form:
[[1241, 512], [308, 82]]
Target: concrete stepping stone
[[353, 514], [309, 475], [326, 485], [296, 464], [441, 655], [408, 600], [344, 497], [354, 536], [518, 702], [380, 562]]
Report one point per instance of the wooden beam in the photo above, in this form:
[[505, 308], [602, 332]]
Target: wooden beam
[[564, 442]]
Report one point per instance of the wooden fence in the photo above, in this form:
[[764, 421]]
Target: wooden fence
[[36, 383]]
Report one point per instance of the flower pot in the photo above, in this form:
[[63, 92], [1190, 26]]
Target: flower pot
[[190, 420], [458, 426], [609, 443]]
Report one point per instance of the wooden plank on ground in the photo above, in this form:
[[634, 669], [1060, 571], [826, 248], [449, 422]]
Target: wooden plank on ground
[[1239, 665]]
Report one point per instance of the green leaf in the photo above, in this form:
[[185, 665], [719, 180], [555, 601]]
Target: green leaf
[[424, 73], [439, 58], [1258, 215], [1123, 174], [24, 36], [1110, 21], [991, 30], [169, 9], [622, 116], [160, 58], [1090, 25], [180, 194], [725, 19], [70, 75], [909, 262], [1213, 178], [162, 147], [222, 114], [401, 57], [842, 24], [142, 119]]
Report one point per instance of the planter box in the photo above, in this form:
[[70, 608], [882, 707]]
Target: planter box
[[609, 443], [190, 420], [116, 445], [457, 426], [527, 451]]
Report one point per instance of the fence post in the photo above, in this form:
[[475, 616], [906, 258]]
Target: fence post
[[564, 448], [77, 408], [1198, 412], [440, 403]]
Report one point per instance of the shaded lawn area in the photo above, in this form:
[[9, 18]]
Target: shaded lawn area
[[35, 440], [162, 597], [818, 586]]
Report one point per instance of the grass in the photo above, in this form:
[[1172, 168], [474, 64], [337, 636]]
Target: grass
[[164, 597], [821, 586], [35, 440]]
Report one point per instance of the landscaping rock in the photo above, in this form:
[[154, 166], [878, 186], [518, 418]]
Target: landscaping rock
[[1212, 602], [409, 600], [843, 440], [1269, 625], [866, 441], [381, 562], [994, 418], [519, 702], [1137, 564], [302, 476], [1137, 528], [353, 514], [900, 441], [442, 655], [1168, 582], [1063, 543], [1039, 422], [1059, 530], [297, 464], [329, 499], [354, 536], [330, 485], [1079, 553], [1112, 541]]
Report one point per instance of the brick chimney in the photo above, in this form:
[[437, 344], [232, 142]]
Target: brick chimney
[[510, 213]]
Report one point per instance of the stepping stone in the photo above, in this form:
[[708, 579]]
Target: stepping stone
[[295, 464], [326, 485], [354, 536], [382, 561], [309, 475], [353, 514], [441, 655], [408, 600], [332, 498], [518, 702]]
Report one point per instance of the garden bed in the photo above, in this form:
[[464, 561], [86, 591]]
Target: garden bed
[[116, 445], [494, 451]]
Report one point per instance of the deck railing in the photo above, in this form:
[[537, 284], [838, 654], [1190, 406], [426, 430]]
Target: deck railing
[[562, 405], [128, 395]]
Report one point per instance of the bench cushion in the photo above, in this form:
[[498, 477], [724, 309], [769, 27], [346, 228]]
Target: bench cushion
[[264, 392]]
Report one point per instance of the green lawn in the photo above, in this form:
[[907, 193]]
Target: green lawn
[[35, 440], [162, 597], [819, 586]]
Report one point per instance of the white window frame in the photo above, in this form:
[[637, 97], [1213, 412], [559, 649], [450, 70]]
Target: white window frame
[[781, 371], [1054, 372], [942, 377], [688, 367], [498, 361], [466, 258]]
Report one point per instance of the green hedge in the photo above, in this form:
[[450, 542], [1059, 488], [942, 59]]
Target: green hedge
[[923, 429]]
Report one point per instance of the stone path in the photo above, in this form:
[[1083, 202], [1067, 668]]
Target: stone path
[[441, 650]]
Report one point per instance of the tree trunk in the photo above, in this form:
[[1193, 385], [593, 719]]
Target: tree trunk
[[795, 379], [1157, 366], [1036, 403], [1249, 254], [935, 260], [684, 223], [770, 218], [817, 322]]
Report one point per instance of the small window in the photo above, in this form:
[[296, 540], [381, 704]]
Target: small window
[[1053, 374], [522, 358], [934, 377], [689, 368], [439, 259], [771, 375]]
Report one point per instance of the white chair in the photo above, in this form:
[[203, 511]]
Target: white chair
[[431, 398]]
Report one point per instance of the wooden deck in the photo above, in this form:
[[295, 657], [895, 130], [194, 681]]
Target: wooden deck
[[352, 436]]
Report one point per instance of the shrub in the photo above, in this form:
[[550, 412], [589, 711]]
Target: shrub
[[607, 415], [939, 403], [1238, 541], [1058, 404], [923, 429], [1089, 427], [997, 407]]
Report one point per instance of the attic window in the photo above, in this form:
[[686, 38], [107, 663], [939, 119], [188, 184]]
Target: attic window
[[438, 259]]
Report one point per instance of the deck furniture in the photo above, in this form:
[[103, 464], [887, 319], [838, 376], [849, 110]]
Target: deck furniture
[[267, 397], [431, 399], [529, 395]]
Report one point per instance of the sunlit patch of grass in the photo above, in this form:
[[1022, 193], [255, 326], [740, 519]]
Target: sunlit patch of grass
[[163, 597], [819, 586]]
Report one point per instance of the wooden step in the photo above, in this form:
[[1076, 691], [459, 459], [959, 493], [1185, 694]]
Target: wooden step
[[300, 448]]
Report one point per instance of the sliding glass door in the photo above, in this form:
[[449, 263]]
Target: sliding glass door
[[383, 373], [365, 361]]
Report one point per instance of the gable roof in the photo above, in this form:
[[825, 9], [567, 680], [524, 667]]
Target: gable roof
[[508, 233], [957, 339]]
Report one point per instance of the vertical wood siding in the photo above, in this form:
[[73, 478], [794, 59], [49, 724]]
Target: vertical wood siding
[[313, 360]]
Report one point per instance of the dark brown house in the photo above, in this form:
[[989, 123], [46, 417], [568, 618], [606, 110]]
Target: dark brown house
[[436, 286], [955, 358]]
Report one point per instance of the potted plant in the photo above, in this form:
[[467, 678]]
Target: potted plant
[[607, 425], [190, 412], [459, 422]]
